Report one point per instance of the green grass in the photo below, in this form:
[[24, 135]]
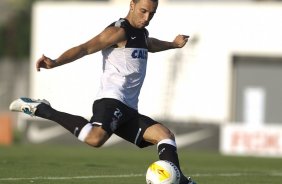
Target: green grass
[[49, 164]]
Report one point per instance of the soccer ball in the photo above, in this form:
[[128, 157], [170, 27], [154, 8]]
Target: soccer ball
[[162, 172]]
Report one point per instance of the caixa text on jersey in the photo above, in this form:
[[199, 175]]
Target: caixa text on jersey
[[139, 54]]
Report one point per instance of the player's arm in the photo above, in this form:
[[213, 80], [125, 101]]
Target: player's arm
[[110, 36], [155, 45]]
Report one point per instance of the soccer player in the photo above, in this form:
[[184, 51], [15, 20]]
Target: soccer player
[[125, 45]]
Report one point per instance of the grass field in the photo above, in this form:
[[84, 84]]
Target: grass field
[[51, 164]]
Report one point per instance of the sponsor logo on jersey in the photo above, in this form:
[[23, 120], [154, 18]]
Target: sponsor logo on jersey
[[139, 54]]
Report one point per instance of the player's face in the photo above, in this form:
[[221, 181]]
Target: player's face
[[142, 12]]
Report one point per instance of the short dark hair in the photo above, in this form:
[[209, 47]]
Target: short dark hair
[[136, 1]]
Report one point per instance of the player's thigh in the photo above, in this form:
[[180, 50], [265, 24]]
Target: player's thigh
[[134, 129], [110, 114], [156, 133]]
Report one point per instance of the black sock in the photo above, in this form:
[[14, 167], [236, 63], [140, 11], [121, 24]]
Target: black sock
[[168, 152], [72, 123]]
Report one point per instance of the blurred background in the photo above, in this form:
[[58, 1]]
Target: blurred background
[[222, 92]]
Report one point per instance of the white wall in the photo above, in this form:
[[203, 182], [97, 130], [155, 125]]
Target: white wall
[[201, 91]]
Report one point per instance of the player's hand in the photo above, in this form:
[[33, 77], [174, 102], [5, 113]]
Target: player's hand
[[45, 62], [180, 41]]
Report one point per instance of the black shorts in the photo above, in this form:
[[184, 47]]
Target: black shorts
[[116, 117]]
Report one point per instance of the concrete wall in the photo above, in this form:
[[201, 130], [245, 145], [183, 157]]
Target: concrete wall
[[14, 81], [188, 85]]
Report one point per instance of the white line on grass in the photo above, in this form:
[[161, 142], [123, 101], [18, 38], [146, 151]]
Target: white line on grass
[[73, 177], [237, 174], [141, 175]]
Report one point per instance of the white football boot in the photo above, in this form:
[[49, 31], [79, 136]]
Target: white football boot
[[26, 105]]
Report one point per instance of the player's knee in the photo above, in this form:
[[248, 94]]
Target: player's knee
[[96, 137], [94, 142]]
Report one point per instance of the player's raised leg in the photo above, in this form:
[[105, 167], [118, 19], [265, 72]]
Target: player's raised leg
[[167, 149], [77, 125]]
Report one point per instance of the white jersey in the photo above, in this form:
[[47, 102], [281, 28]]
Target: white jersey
[[124, 69]]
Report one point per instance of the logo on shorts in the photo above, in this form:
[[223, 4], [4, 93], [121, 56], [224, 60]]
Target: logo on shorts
[[116, 118]]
